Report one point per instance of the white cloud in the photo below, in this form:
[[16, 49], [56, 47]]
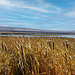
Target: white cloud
[[3, 25], [35, 8], [16, 23], [5, 3], [11, 20], [34, 17], [35, 5], [70, 14]]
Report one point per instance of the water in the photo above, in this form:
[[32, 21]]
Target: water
[[67, 36]]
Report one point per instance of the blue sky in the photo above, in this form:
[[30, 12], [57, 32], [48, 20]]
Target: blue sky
[[38, 14]]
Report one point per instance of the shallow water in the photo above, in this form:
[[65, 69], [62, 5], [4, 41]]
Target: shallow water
[[68, 36]]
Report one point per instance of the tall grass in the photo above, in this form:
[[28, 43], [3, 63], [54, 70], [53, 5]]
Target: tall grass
[[37, 56]]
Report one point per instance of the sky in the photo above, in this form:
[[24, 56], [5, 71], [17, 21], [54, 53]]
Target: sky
[[38, 14]]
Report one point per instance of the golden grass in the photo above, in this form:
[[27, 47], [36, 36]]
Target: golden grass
[[35, 56]]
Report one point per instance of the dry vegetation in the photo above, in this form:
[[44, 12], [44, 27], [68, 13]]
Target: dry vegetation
[[37, 56]]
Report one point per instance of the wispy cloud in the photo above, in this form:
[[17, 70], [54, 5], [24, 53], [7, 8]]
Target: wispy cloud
[[15, 23], [70, 14], [36, 5], [4, 25], [11, 20], [5, 3], [33, 17]]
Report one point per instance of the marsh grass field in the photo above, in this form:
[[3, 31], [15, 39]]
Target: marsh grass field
[[37, 56]]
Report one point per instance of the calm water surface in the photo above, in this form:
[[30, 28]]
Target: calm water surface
[[68, 36]]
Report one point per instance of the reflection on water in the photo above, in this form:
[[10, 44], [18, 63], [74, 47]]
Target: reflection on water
[[68, 36]]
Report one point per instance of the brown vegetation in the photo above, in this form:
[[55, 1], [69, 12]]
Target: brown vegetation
[[37, 56]]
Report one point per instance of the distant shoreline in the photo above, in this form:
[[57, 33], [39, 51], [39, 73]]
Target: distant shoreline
[[35, 33]]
